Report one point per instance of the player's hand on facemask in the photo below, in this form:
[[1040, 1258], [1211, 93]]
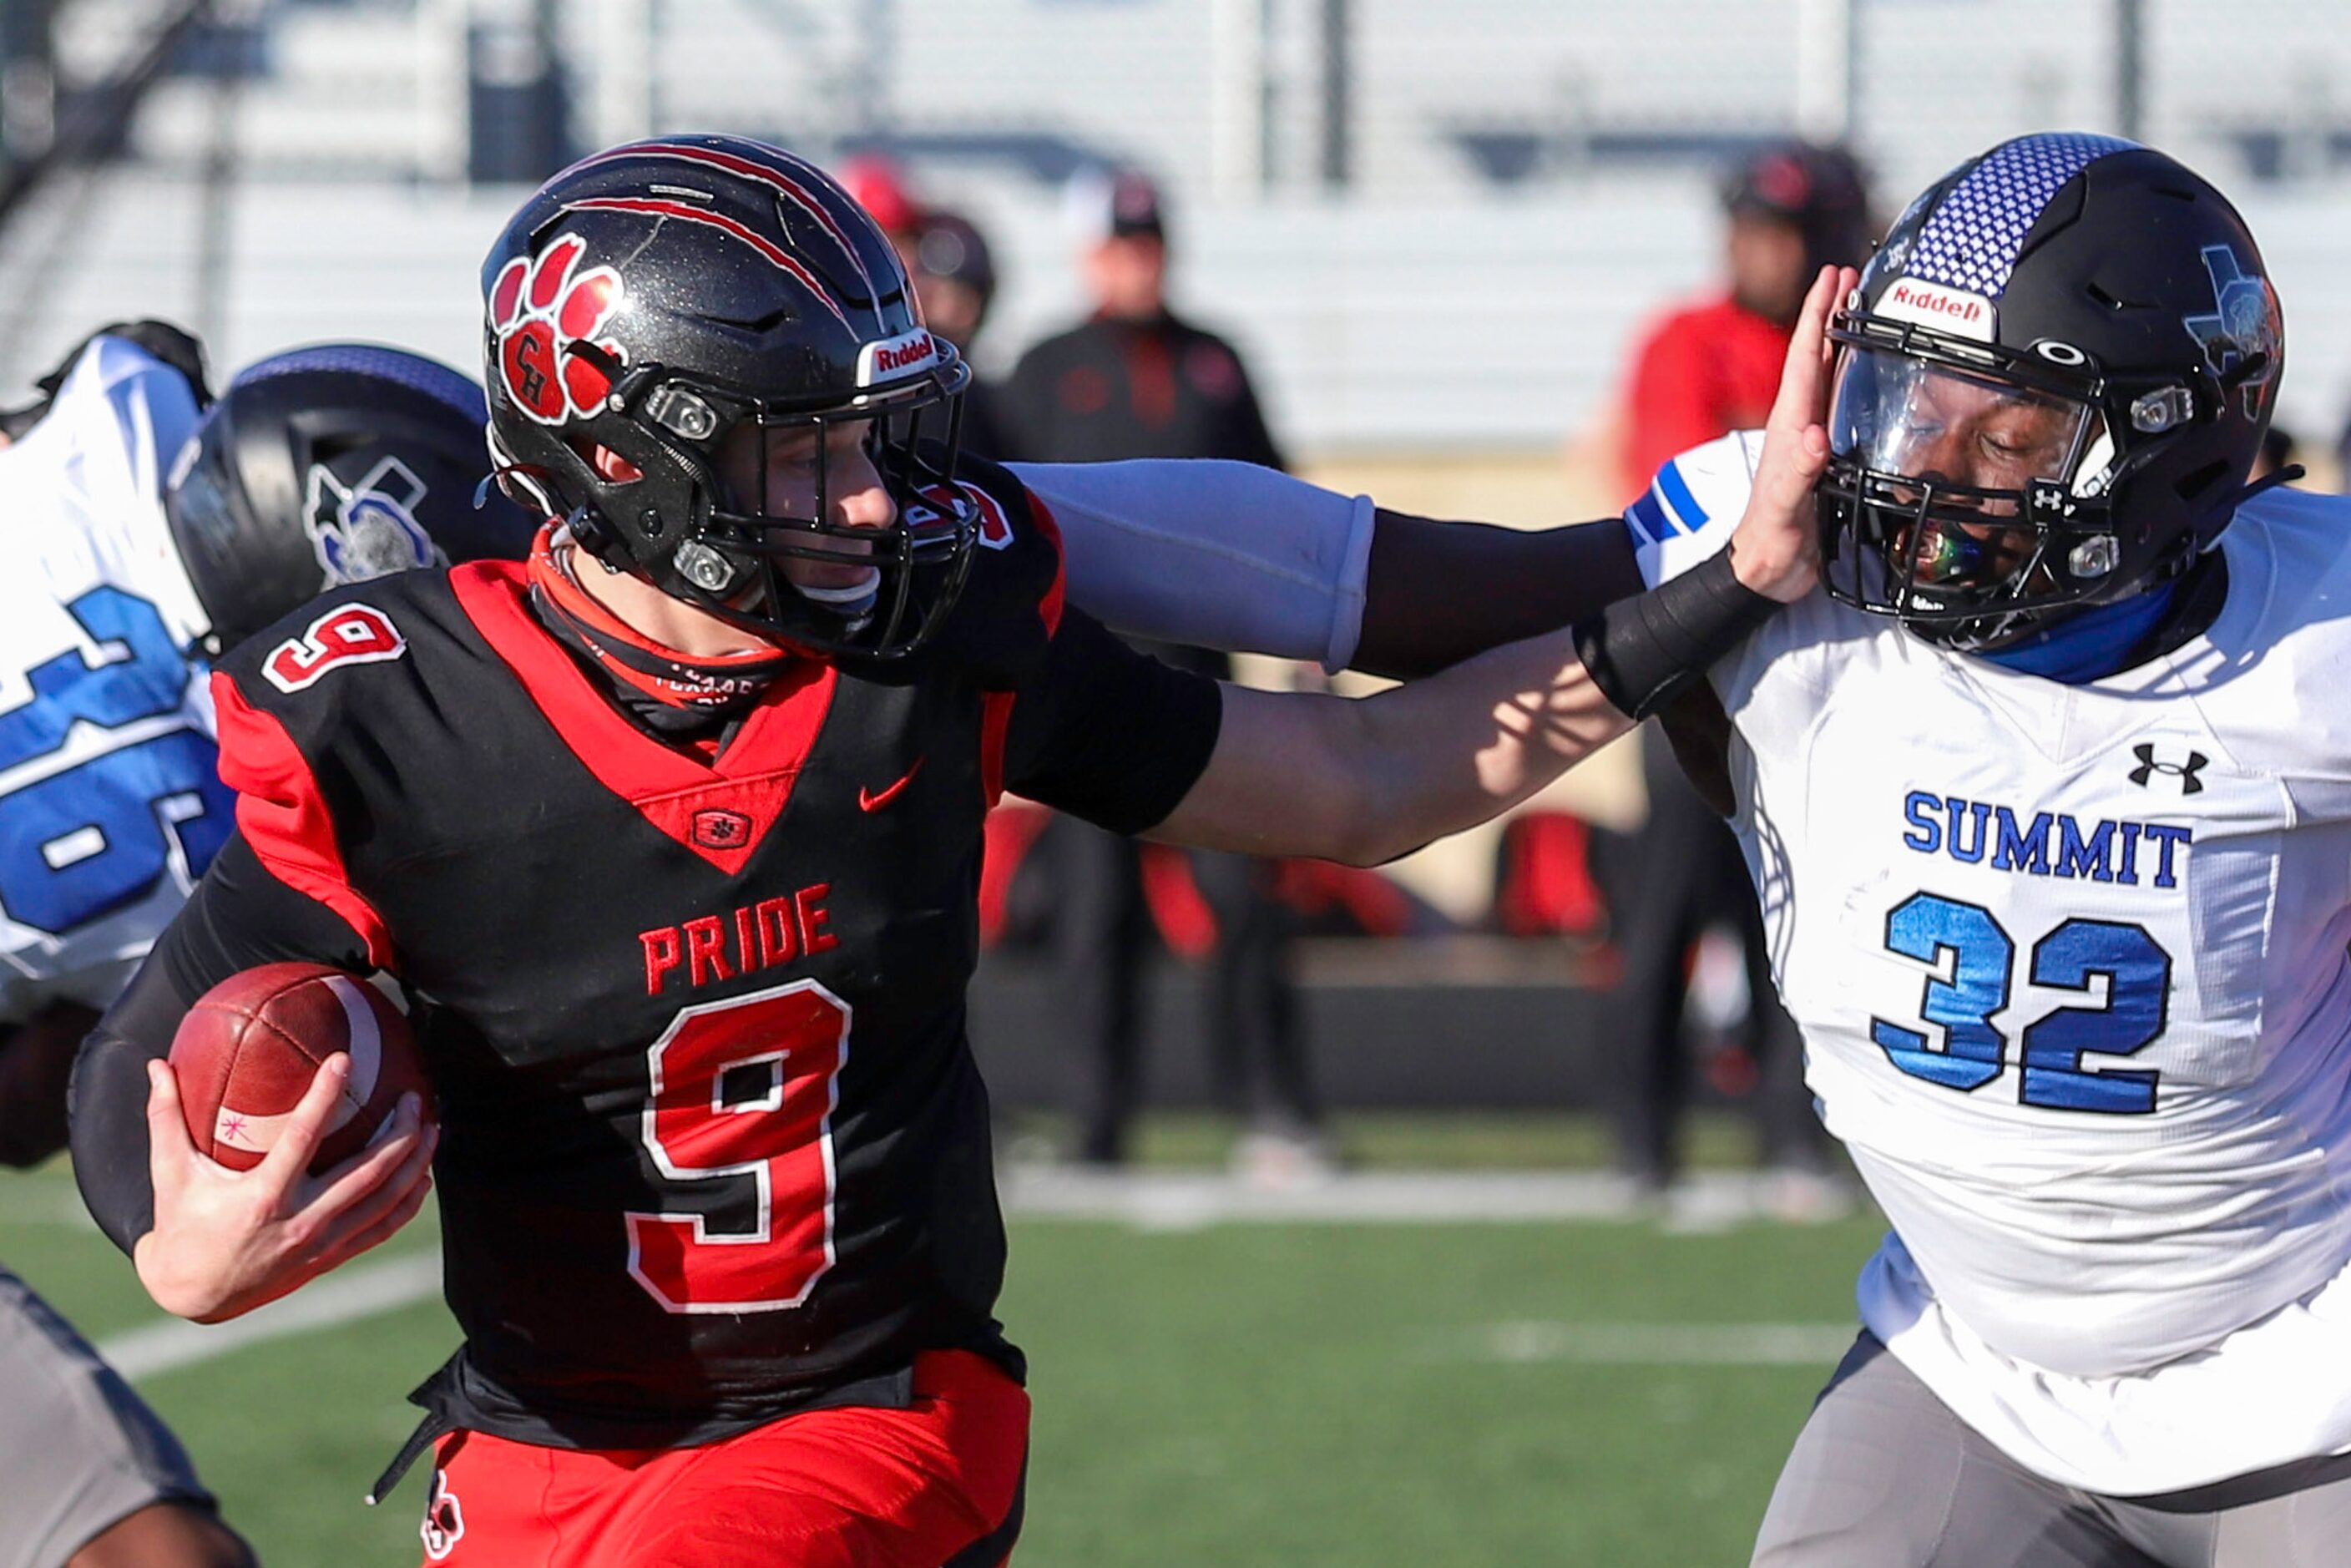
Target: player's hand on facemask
[[1777, 548], [227, 1241]]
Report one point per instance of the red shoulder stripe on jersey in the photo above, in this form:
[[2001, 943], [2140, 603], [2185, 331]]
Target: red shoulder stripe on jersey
[[1050, 607], [759, 242], [995, 719], [720, 810], [996, 708], [284, 818]]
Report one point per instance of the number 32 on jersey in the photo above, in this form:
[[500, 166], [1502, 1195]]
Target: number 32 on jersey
[[1973, 960]]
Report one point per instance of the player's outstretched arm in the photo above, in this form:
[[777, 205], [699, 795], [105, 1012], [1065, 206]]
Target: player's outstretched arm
[[1232, 556], [1226, 555], [1364, 781]]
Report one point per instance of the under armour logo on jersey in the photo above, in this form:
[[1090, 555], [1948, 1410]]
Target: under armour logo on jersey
[[2185, 773]]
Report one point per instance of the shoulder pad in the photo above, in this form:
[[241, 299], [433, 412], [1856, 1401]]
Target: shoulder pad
[[1688, 511]]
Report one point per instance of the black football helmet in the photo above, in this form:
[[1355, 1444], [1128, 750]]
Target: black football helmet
[[2051, 386], [326, 465], [649, 300]]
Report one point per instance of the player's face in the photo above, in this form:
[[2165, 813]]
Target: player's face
[[1956, 434], [776, 466]]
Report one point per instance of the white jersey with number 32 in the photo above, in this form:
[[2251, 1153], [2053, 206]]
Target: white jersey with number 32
[[110, 804], [2070, 966]]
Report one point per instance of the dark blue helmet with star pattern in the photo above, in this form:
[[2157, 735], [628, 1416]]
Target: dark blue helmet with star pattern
[[2050, 387]]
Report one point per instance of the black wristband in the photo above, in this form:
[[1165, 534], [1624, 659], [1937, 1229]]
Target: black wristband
[[1642, 652]]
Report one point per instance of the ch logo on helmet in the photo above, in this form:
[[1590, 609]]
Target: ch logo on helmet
[[2244, 323], [368, 530], [716, 829], [540, 312], [2185, 773], [444, 1521]]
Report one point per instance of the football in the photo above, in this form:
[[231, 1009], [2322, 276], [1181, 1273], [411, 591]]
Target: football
[[250, 1046]]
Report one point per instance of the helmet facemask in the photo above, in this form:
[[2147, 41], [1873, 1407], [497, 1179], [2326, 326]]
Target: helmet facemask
[[670, 500], [1970, 495]]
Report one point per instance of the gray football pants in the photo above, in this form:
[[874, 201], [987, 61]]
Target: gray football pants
[[79, 1450], [1884, 1476]]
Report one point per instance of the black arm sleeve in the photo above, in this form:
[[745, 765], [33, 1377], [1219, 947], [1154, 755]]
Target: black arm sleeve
[[1439, 592], [240, 916], [1108, 734]]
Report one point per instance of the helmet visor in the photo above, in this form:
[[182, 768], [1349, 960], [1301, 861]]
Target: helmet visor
[[1957, 458]]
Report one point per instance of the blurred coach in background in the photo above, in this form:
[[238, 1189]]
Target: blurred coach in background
[[1709, 368], [1134, 379]]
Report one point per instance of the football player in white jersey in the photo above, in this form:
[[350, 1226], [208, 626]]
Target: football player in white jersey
[[2047, 795], [138, 537]]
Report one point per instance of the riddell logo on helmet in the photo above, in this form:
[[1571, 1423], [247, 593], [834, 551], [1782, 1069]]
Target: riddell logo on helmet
[[911, 350], [1952, 311]]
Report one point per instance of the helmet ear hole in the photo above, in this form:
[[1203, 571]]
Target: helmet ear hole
[[612, 467]]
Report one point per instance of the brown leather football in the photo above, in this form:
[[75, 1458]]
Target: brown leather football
[[249, 1047]]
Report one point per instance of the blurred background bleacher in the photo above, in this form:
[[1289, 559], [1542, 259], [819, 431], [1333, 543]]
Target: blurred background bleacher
[[1436, 226]]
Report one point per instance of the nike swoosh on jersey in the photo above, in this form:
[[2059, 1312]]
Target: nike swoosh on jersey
[[867, 801]]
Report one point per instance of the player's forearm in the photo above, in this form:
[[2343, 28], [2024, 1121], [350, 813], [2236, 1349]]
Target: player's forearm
[[1215, 554], [1447, 753]]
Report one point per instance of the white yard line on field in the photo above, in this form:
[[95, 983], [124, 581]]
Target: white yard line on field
[[1178, 1201], [43, 1203], [1657, 1344], [361, 1290]]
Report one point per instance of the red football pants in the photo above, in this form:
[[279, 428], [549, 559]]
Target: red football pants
[[925, 1487]]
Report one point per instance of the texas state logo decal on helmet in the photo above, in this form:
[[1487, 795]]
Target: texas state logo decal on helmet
[[2244, 330], [544, 311]]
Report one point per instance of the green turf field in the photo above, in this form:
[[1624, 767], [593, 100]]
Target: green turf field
[[1360, 1393]]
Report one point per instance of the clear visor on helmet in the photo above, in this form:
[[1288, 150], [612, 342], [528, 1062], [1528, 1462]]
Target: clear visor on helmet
[[840, 512], [1961, 456]]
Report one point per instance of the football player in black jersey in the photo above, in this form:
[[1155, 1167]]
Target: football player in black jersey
[[672, 837], [324, 464]]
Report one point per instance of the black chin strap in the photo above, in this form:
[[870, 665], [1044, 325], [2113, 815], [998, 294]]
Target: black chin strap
[[2267, 482]]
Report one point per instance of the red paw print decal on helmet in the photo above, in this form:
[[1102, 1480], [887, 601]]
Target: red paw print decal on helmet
[[540, 311]]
